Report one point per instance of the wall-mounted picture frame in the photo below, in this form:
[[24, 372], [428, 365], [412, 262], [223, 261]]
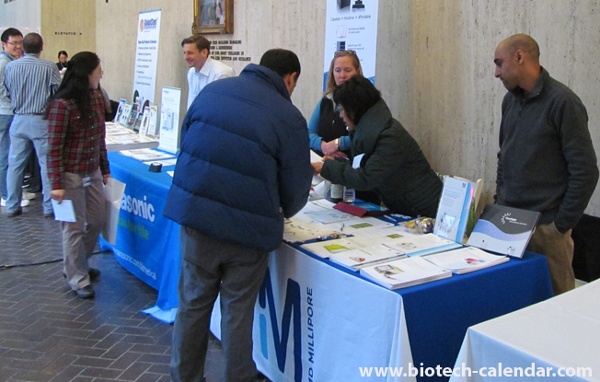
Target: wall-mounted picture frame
[[213, 16]]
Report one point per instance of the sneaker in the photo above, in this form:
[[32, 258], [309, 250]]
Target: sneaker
[[28, 195], [24, 202], [14, 214]]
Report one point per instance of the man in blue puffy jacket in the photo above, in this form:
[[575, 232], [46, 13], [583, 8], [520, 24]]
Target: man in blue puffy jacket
[[244, 166]]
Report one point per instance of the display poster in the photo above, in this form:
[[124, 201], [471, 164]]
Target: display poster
[[169, 119], [352, 25], [146, 56]]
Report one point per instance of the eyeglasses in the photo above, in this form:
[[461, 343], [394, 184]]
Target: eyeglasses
[[344, 53], [15, 43]]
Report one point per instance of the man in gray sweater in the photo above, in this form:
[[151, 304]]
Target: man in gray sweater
[[546, 161]]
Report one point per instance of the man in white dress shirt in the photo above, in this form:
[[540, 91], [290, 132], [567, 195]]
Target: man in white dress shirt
[[203, 69]]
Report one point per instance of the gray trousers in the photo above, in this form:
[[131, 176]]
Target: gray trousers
[[210, 267], [80, 238]]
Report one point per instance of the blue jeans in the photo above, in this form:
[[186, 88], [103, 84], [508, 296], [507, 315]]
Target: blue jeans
[[5, 121], [210, 267], [26, 132]]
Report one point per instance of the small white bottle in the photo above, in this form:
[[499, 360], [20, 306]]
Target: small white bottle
[[336, 193]]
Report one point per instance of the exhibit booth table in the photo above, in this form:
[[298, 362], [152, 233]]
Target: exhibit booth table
[[315, 320], [147, 244], [556, 339]]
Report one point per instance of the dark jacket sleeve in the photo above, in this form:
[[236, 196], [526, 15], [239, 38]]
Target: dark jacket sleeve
[[294, 170], [580, 156], [499, 180], [377, 168]]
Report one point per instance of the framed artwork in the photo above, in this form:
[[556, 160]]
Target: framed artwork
[[213, 16]]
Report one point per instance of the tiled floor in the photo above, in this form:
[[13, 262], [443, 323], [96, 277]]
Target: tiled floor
[[49, 334]]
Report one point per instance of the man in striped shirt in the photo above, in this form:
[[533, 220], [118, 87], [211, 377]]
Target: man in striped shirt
[[30, 82]]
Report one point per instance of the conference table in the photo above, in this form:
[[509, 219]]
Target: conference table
[[315, 320], [556, 339]]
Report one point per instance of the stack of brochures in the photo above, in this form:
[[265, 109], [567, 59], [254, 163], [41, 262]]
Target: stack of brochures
[[465, 260], [390, 255], [361, 257], [405, 272]]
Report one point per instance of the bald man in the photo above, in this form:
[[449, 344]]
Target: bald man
[[546, 161]]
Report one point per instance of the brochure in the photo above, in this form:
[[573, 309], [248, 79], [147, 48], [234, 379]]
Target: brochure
[[504, 230], [418, 245], [358, 258], [123, 117], [326, 248], [404, 272], [119, 113], [466, 259], [453, 210]]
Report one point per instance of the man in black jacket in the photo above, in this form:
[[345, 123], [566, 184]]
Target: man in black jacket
[[244, 166]]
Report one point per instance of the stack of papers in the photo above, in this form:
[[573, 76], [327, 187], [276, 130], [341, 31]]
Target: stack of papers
[[405, 272], [327, 248], [120, 138], [418, 245], [465, 260], [355, 259]]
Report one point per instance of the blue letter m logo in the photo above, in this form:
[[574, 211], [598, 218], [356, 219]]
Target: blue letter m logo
[[291, 306]]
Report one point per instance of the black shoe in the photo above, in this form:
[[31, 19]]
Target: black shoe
[[94, 273], [13, 214], [86, 292], [49, 215], [260, 377]]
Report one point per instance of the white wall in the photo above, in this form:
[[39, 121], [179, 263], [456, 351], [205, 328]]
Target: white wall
[[435, 63], [64, 24], [25, 15]]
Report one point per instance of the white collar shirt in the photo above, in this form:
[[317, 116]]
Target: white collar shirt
[[212, 70]]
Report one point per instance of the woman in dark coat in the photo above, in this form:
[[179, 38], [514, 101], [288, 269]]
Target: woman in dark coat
[[385, 157]]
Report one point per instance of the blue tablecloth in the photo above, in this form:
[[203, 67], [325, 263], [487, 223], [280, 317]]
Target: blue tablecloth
[[437, 313], [147, 243]]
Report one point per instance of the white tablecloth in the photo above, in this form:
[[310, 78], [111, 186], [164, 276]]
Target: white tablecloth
[[345, 323], [558, 339]]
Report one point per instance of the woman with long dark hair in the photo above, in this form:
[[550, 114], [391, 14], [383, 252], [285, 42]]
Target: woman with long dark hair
[[78, 164]]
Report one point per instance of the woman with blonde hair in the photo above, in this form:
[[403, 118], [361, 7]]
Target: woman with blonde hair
[[327, 131]]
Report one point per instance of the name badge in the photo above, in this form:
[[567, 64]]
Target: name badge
[[86, 181], [356, 161]]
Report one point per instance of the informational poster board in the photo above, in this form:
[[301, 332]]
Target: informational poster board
[[352, 25], [169, 119], [146, 56]]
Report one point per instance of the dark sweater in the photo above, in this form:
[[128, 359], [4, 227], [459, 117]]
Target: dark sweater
[[546, 161]]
